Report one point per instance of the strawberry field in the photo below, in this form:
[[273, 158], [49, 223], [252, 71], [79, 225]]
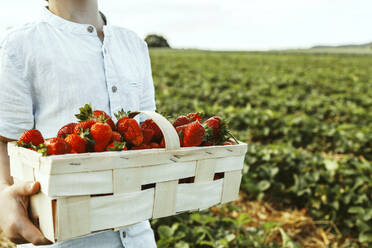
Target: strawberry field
[[308, 122]]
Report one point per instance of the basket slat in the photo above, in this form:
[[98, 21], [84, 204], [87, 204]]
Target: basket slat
[[73, 217], [42, 210], [168, 172], [127, 180], [120, 210], [86, 183], [193, 196], [230, 163], [165, 199], [205, 170], [73, 163], [231, 186]]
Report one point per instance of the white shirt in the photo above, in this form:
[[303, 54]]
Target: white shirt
[[50, 68]]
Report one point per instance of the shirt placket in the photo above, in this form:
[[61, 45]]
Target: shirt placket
[[111, 77]]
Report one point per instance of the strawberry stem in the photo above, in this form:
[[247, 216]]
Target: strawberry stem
[[232, 136]]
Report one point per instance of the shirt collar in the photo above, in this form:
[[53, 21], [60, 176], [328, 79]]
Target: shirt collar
[[67, 25]]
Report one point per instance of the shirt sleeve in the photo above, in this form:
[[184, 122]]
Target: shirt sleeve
[[16, 109], [148, 97]]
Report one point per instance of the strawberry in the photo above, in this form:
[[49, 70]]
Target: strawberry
[[54, 146], [217, 131], [154, 145], [193, 134], [66, 130], [83, 126], [229, 142], [116, 146], [162, 143], [98, 113], [122, 117], [132, 132], [116, 137], [77, 143], [180, 131], [181, 120], [129, 129], [101, 132], [195, 117], [141, 147], [31, 138], [148, 134], [87, 113], [150, 124], [99, 147]]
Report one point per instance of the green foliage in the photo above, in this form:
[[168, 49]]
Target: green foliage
[[307, 118], [199, 230], [338, 190]]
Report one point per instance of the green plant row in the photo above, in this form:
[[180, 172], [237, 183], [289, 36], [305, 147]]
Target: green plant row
[[206, 230], [329, 188], [308, 119]]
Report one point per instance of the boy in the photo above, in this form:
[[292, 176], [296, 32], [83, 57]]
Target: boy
[[48, 69]]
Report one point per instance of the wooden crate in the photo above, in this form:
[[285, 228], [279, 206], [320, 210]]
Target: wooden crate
[[85, 193]]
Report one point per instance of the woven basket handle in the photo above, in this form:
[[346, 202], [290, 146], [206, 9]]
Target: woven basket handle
[[172, 141]]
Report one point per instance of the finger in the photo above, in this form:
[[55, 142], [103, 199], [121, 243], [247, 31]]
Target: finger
[[18, 240], [26, 188], [30, 233]]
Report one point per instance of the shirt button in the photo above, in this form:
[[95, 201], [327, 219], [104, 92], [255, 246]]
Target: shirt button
[[90, 29], [124, 234], [114, 89]]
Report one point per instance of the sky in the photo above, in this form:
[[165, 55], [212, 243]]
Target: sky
[[227, 24]]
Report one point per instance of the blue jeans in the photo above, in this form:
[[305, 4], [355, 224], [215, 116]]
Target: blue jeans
[[136, 236]]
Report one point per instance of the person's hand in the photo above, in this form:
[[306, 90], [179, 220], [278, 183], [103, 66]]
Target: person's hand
[[14, 219]]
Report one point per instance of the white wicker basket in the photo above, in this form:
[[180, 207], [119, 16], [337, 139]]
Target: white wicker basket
[[85, 193]]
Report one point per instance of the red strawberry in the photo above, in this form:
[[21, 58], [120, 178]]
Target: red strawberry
[[162, 143], [54, 146], [150, 124], [132, 132], [101, 132], [83, 126], [99, 147], [31, 138], [116, 146], [116, 137], [66, 130], [229, 142], [129, 129], [77, 143], [98, 113], [148, 134], [193, 134], [181, 120], [217, 131], [141, 147], [87, 113], [180, 131], [154, 145], [195, 117]]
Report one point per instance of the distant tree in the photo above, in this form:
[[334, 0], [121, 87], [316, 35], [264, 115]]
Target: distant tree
[[154, 40]]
